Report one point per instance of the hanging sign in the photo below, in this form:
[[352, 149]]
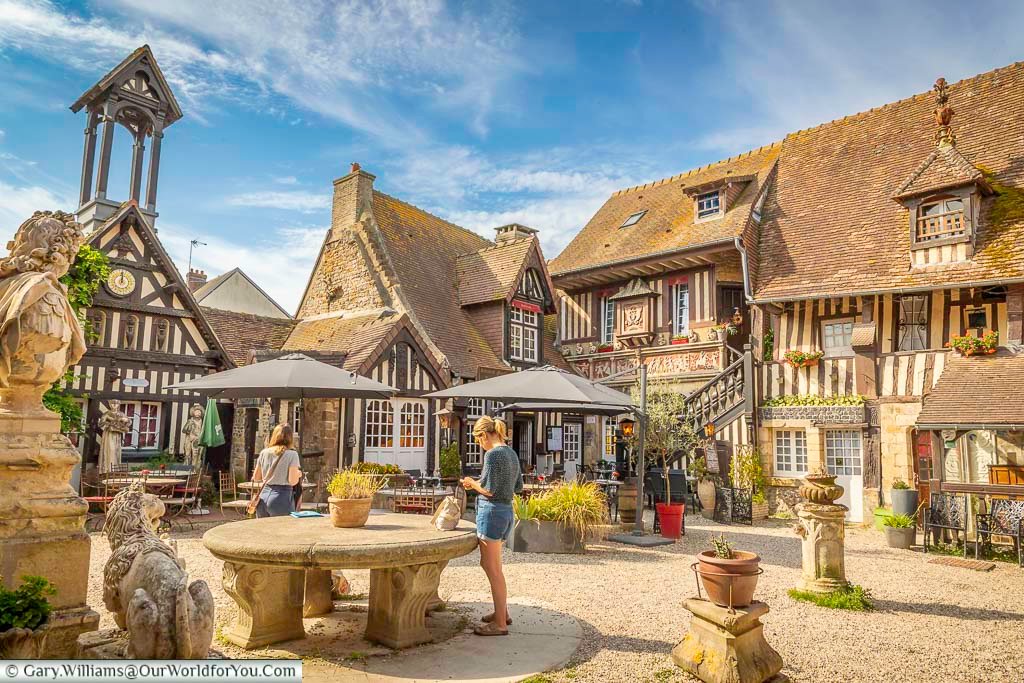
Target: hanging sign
[[711, 457], [140, 382]]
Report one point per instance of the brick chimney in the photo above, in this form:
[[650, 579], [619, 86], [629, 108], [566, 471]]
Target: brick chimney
[[513, 231], [352, 194], [196, 279]]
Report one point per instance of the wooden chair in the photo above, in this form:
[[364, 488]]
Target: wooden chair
[[417, 501], [99, 494], [228, 486], [120, 468], [946, 512], [1004, 518]]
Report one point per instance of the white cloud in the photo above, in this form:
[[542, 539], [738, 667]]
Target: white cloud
[[291, 200], [18, 204], [287, 180], [279, 263]]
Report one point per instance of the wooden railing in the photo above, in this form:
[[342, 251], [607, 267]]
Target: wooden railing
[[725, 396], [938, 226]]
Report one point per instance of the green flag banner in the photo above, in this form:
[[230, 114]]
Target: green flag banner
[[213, 433]]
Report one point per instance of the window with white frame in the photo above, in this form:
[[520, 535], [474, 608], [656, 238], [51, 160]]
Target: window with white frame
[[791, 452], [145, 418], [837, 337], [477, 407], [681, 309], [709, 204], [843, 451], [522, 334], [297, 418], [912, 327], [607, 320], [380, 424], [609, 439], [412, 426]]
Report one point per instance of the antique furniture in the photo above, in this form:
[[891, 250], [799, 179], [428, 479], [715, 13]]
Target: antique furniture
[[266, 562], [733, 505], [419, 500], [946, 511], [229, 487], [1005, 518]]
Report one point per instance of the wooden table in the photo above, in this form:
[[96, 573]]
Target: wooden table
[[273, 566]]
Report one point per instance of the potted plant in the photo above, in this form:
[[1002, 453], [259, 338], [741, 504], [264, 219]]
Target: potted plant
[[975, 346], [705, 486], [393, 475], [900, 531], [670, 515], [680, 339], [605, 348], [803, 359], [729, 576], [350, 497], [24, 613], [559, 520], [904, 498], [451, 464], [746, 472]]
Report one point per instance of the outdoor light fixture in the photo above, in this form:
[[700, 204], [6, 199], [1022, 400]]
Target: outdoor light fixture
[[709, 429], [627, 425], [444, 416]]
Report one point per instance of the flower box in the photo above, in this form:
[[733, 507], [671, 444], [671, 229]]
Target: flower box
[[967, 345], [679, 340], [605, 348], [803, 359]]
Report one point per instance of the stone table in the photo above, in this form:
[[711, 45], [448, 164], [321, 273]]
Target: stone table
[[266, 562]]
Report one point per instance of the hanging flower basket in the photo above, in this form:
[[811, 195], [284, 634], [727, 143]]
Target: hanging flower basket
[[975, 346], [802, 359]]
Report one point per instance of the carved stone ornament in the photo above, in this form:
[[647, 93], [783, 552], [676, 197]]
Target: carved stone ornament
[[579, 349], [147, 589], [191, 432], [593, 347], [113, 424]]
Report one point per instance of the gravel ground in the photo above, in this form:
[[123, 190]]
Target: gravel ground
[[931, 622]]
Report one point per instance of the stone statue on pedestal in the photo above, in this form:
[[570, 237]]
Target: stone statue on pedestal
[[191, 433], [822, 526], [114, 425], [41, 516]]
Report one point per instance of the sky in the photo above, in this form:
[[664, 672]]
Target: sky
[[484, 113]]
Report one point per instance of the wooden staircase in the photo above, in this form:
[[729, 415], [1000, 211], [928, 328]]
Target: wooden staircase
[[726, 397]]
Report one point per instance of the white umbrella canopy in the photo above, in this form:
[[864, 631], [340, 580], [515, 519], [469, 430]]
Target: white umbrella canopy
[[293, 376], [545, 384]]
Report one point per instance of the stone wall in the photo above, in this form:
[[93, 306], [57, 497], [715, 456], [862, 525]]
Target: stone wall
[[897, 425], [817, 414]]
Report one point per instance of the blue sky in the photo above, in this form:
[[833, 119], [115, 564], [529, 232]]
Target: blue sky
[[483, 113]]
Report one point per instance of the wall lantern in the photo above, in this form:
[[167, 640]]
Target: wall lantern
[[627, 425], [709, 429], [445, 417], [737, 317]]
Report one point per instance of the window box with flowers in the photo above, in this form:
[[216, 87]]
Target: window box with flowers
[[605, 348], [803, 359], [975, 346], [680, 339]]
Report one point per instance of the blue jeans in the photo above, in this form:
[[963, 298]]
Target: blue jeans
[[493, 520], [275, 501]]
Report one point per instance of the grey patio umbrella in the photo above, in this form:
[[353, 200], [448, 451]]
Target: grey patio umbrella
[[579, 408], [545, 384], [293, 376]]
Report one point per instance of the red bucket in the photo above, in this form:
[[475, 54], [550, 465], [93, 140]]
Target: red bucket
[[671, 518]]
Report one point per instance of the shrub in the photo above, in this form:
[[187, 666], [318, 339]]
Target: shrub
[[898, 521], [376, 468], [577, 505], [814, 400], [451, 465], [699, 468], [746, 472], [899, 485], [722, 547], [350, 484], [855, 598], [27, 605]]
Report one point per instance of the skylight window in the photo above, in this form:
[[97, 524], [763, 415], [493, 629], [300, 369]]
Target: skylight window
[[633, 219]]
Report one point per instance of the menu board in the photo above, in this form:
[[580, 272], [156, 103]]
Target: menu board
[[711, 457], [554, 439]]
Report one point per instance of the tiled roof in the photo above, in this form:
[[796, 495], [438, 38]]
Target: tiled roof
[[944, 168], [423, 250], [492, 273], [241, 333], [830, 226], [977, 390], [356, 337], [551, 354], [669, 221]]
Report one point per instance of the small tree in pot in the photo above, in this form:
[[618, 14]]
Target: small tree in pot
[[24, 613], [350, 497], [729, 576]]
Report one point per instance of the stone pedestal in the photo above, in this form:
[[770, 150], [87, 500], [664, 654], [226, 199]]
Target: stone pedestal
[[822, 528], [399, 597], [42, 521], [270, 602], [727, 647], [318, 597]]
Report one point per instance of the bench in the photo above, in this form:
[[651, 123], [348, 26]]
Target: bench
[[946, 511], [1005, 518]]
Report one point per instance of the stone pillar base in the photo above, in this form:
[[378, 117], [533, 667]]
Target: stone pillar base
[[722, 647], [110, 643], [822, 529], [270, 602], [318, 599], [398, 604]]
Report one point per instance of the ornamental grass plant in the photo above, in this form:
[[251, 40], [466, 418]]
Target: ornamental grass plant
[[350, 484], [579, 506]]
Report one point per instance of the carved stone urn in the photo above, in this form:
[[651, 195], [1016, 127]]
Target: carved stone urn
[[820, 487]]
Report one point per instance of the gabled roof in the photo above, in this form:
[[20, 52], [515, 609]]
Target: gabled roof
[[213, 285], [242, 333], [423, 251], [977, 390], [141, 54], [636, 287], [493, 273], [354, 336], [943, 169], [830, 226], [669, 221], [170, 271]]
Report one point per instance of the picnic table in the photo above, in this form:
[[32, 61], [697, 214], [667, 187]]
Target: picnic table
[[266, 562]]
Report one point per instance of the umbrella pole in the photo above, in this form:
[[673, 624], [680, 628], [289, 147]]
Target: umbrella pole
[[638, 528]]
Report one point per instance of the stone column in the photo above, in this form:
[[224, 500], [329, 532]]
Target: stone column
[[88, 160], [318, 599], [270, 601], [727, 646], [823, 530], [399, 597]]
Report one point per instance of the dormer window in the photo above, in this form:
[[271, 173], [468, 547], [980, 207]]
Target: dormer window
[[633, 219], [709, 205], [940, 219]]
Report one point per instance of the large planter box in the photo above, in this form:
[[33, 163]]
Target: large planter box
[[832, 415], [758, 511], [904, 501], [532, 536]]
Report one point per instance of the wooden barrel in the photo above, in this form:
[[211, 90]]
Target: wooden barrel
[[627, 502]]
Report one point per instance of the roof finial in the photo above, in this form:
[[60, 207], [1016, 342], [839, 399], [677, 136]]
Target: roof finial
[[943, 114]]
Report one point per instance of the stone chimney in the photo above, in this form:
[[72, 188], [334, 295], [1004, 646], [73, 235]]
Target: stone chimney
[[513, 231], [196, 279], [352, 194]]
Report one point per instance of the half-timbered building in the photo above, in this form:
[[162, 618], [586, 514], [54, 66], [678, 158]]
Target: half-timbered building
[[146, 330]]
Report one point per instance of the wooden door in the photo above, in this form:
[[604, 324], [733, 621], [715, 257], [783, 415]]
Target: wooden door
[[922, 468], [730, 300]]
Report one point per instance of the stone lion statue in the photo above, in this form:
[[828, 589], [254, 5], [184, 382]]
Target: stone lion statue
[[40, 336], [146, 586]]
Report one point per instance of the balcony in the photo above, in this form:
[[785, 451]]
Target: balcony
[[668, 361]]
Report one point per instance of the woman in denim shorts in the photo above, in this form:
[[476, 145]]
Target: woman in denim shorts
[[499, 481]]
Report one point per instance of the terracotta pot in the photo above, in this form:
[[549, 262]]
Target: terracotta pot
[[23, 643], [729, 582], [821, 489], [671, 518], [706, 494], [348, 513]]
